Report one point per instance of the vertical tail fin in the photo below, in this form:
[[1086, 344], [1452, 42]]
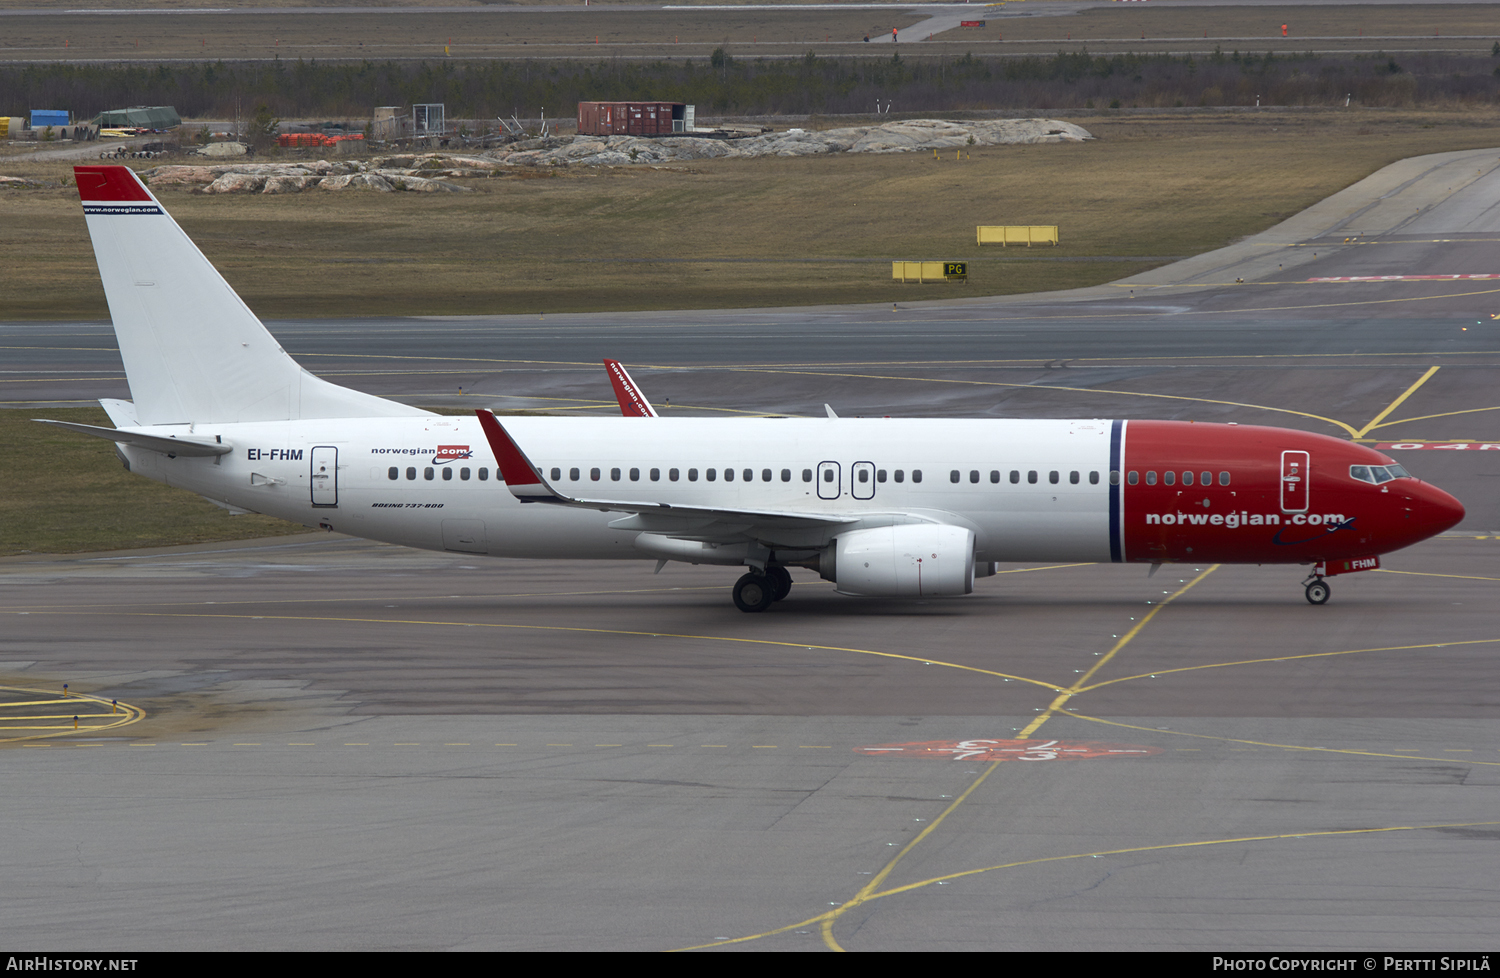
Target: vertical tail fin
[[633, 403], [193, 351]]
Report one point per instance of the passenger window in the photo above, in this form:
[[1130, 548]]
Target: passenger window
[[394, 473], [1187, 478], [594, 474], [464, 474], [1073, 477], [635, 475], [556, 474], [786, 475], [1114, 478], [614, 475], [1205, 478], [1170, 478], [995, 476], [900, 475], [729, 475], [1151, 478], [1133, 478], [916, 475], [765, 475], [693, 475], [1223, 478], [1031, 476], [573, 474], [974, 476], [880, 475], [484, 475], [656, 475], [447, 475], [672, 474], [1015, 477], [1052, 477], [427, 473], [411, 473], [807, 475], [749, 475], [710, 474], [953, 476]]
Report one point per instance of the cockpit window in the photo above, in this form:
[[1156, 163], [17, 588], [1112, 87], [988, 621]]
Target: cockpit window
[[1377, 474]]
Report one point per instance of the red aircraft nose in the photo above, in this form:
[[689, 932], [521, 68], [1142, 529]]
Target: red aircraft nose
[[1436, 510]]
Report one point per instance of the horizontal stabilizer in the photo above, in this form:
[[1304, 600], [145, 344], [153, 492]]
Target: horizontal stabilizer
[[121, 413], [187, 447]]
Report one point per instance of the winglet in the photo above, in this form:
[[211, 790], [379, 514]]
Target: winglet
[[523, 479], [633, 403]]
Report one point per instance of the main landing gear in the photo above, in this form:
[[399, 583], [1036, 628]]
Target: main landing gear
[[757, 592], [1317, 590]]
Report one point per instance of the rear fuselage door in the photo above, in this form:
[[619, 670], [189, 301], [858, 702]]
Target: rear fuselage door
[[829, 483], [1294, 472], [325, 476], [862, 480]]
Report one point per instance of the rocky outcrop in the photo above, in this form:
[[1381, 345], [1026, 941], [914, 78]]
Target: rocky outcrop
[[224, 149], [237, 183]]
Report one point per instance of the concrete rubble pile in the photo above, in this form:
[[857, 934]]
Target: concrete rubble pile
[[433, 172], [383, 175], [911, 136]]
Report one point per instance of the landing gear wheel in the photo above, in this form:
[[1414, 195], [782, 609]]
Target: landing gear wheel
[[1318, 592], [781, 581], [754, 592]]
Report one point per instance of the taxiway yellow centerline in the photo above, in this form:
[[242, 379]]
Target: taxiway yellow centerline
[[568, 628], [1462, 577], [1375, 421], [1100, 854], [1080, 685], [1262, 743], [866, 891], [1429, 417], [1291, 658]]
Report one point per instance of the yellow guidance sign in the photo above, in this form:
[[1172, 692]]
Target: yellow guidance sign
[[1005, 235], [922, 272]]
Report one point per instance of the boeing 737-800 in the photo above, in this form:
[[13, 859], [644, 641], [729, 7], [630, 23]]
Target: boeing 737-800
[[881, 507]]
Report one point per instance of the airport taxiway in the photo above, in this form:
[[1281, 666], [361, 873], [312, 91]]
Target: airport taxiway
[[347, 745]]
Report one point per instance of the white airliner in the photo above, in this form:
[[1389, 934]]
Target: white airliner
[[881, 507]]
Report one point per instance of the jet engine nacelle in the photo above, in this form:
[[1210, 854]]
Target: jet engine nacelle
[[910, 560]]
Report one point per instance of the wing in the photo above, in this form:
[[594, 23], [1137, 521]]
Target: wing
[[633, 403], [527, 484]]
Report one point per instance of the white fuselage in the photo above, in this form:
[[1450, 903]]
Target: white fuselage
[[1041, 491]]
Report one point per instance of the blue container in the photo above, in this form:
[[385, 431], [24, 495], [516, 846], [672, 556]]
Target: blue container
[[42, 118]]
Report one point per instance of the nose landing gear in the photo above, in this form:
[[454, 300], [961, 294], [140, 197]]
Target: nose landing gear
[[1317, 590]]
